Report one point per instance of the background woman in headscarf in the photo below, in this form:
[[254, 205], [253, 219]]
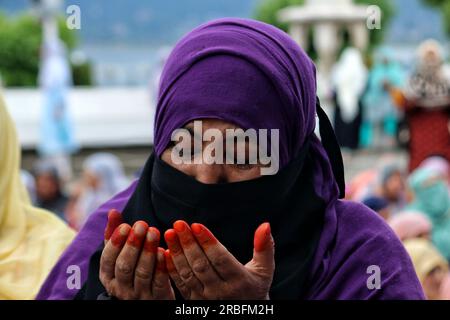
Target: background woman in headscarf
[[386, 182], [237, 73], [430, 266], [426, 102], [349, 79], [379, 115], [31, 239], [103, 177], [439, 164], [392, 187], [410, 225], [49, 191], [432, 198]]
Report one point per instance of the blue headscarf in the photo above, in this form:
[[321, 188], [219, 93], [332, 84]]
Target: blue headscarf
[[433, 199]]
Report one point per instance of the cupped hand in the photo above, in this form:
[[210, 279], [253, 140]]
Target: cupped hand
[[202, 268], [132, 266]]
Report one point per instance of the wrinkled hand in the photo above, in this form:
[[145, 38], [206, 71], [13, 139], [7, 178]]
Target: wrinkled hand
[[132, 266], [202, 268]]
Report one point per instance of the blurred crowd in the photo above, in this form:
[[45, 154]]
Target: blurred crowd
[[388, 106], [101, 178], [391, 105], [417, 207]]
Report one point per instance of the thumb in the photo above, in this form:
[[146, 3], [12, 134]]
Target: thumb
[[264, 250]]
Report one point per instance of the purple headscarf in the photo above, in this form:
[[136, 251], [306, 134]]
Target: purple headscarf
[[248, 73]]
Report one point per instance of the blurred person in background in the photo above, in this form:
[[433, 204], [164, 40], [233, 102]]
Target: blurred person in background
[[349, 78], [392, 187], [430, 266], [431, 197], [439, 164], [31, 239], [426, 103], [57, 141], [49, 190], [361, 185], [411, 224], [379, 115], [102, 177], [379, 205]]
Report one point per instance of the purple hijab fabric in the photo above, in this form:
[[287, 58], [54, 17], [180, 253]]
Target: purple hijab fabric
[[241, 71], [284, 98], [276, 89]]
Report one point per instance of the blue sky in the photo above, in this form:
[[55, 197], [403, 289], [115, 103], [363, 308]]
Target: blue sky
[[156, 22]]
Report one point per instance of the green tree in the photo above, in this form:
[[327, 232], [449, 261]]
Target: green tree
[[267, 12], [19, 51], [436, 3], [20, 42], [268, 9]]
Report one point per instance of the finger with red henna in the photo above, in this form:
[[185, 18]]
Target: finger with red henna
[[173, 273], [263, 238], [143, 273], [264, 251], [161, 287], [111, 252], [128, 257], [195, 256], [226, 265], [114, 220], [180, 261]]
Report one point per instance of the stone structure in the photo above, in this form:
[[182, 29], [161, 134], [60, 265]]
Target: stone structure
[[327, 19]]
